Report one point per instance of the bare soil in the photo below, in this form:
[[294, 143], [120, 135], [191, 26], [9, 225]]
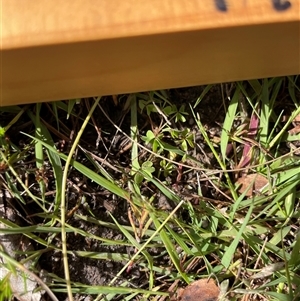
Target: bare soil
[[111, 147]]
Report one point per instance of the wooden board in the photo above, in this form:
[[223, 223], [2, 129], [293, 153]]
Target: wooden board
[[62, 49]]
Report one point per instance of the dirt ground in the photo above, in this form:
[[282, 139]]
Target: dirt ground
[[101, 272], [112, 147]]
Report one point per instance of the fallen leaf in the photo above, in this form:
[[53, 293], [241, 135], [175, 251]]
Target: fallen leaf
[[296, 123], [252, 182], [269, 270], [295, 130], [200, 290]]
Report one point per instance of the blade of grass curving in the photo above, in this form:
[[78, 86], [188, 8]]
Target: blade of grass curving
[[103, 255], [138, 247], [284, 128], [13, 189], [113, 296], [204, 92], [274, 96], [295, 257], [114, 188], [99, 167], [277, 119], [63, 200], [252, 101], [279, 235], [144, 245], [54, 108], [272, 283], [256, 86], [101, 289], [135, 166], [170, 247], [17, 117], [53, 158], [264, 114], [229, 253], [277, 296], [179, 240], [39, 154], [107, 224], [285, 175], [71, 104], [237, 202], [293, 182], [256, 243], [228, 122], [15, 174], [163, 188], [105, 241], [15, 229], [291, 87], [289, 204], [5, 289], [211, 146], [89, 173]]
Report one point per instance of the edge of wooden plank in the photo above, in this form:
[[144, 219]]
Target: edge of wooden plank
[[36, 23], [166, 48]]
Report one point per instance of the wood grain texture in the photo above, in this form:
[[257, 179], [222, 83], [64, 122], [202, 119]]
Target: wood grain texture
[[61, 49]]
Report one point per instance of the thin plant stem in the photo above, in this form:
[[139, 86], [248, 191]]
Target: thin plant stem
[[63, 200]]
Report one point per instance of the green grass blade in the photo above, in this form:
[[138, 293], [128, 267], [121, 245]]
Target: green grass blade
[[295, 254], [170, 247], [52, 155], [114, 188], [134, 135], [138, 247], [71, 104], [39, 154], [265, 113], [228, 122], [204, 92], [228, 255]]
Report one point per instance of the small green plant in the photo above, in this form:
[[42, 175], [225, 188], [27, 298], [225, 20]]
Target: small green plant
[[183, 138], [146, 168], [167, 168], [173, 112], [180, 221], [154, 140], [5, 289], [2, 132]]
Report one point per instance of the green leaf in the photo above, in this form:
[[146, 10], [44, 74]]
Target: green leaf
[[169, 247], [229, 118], [228, 255], [89, 173]]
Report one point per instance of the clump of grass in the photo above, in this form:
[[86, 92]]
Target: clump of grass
[[191, 202]]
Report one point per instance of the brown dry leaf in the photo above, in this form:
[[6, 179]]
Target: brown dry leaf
[[295, 130], [257, 182], [200, 290], [296, 123]]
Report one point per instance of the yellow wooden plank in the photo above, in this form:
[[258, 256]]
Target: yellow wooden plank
[[61, 49]]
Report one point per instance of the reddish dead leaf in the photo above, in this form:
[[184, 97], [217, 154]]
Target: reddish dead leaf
[[253, 126], [294, 131], [252, 131], [296, 123], [200, 290], [255, 181]]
